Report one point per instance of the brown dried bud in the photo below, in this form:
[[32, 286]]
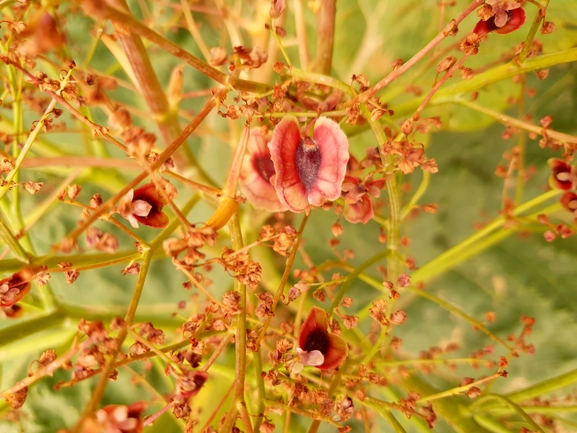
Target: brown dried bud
[[350, 321], [446, 64], [6, 165], [546, 121], [547, 28], [407, 126], [398, 317], [33, 187], [542, 74], [95, 201], [74, 191]]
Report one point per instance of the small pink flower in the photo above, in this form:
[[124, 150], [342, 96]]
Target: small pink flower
[[504, 21], [309, 171], [562, 176], [319, 347], [144, 205], [257, 170]]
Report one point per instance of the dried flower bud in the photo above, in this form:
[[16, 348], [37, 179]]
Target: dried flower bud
[[74, 191], [398, 317], [218, 56], [547, 28], [95, 201], [33, 187], [446, 64]]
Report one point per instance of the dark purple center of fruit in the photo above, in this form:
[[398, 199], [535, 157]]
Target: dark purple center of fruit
[[265, 167], [308, 162], [317, 340]]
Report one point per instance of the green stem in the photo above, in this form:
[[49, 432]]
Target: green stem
[[285, 276], [538, 390], [240, 337], [27, 145], [508, 402], [532, 32], [260, 390]]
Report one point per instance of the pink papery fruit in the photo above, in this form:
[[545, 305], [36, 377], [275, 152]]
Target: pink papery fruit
[[317, 346], [309, 170], [257, 170]]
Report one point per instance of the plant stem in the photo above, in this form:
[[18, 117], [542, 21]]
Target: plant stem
[[354, 275], [418, 194], [301, 34], [532, 32], [240, 339], [325, 36]]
